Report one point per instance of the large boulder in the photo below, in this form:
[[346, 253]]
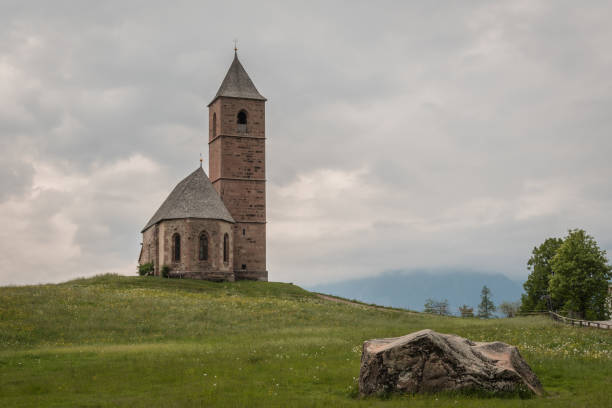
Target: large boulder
[[426, 361]]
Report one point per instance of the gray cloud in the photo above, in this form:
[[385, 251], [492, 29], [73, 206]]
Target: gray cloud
[[399, 135]]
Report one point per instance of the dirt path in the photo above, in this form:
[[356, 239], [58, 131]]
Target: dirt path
[[333, 299]]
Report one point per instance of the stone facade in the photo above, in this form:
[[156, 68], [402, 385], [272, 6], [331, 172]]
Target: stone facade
[[237, 171], [232, 203], [158, 245]]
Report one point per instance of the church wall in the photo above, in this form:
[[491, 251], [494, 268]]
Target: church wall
[[189, 265], [161, 255], [245, 199], [242, 157], [214, 158], [237, 171], [214, 148], [227, 111], [214, 109], [250, 251], [149, 247]]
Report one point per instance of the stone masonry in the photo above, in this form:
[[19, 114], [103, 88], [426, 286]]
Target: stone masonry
[[157, 248], [229, 208], [237, 171]]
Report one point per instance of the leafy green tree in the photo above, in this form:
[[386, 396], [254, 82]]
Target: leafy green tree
[[536, 296], [580, 276], [486, 306]]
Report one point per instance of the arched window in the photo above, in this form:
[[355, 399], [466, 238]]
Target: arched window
[[242, 117], [176, 248], [226, 248], [214, 126], [203, 252]]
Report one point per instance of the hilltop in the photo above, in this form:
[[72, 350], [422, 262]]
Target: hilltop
[[152, 342]]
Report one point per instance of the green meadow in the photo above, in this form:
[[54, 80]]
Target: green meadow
[[114, 341]]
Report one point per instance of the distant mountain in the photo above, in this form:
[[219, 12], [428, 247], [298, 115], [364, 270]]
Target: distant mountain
[[410, 289]]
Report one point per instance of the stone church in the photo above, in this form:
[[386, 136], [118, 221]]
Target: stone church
[[216, 228]]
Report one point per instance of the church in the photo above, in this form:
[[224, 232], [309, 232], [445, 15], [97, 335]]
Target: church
[[215, 228]]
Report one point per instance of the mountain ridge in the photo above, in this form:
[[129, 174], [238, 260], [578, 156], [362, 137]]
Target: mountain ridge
[[410, 289]]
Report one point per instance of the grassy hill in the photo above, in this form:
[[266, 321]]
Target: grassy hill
[[150, 342]]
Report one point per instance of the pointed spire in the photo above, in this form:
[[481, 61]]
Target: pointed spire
[[237, 83]]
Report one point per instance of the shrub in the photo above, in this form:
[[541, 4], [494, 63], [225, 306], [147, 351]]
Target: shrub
[[466, 311], [165, 271], [437, 307], [510, 309], [146, 269]]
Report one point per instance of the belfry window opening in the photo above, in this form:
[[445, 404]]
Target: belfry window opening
[[176, 248], [214, 125], [241, 120]]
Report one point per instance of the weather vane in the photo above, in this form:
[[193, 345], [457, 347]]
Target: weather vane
[[235, 45], [200, 159]]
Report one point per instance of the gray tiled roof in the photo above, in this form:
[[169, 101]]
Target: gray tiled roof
[[193, 197], [237, 84]]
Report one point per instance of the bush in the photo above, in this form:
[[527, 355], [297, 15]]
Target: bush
[[165, 271], [146, 269], [437, 307], [466, 311]]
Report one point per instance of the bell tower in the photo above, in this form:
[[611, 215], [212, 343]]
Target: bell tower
[[236, 149]]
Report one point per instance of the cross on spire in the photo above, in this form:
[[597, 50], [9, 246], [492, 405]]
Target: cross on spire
[[235, 45]]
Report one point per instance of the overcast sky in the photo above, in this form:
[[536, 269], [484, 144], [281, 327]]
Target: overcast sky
[[401, 135]]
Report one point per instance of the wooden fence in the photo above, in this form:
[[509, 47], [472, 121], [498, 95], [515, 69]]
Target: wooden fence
[[578, 322]]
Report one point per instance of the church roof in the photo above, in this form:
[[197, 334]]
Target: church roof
[[237, 84], [193, 197]]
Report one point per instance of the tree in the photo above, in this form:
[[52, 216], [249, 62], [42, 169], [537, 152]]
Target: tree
[[580, 276], [437, 307], [536, 296], [486, 306], [466, 311], [509, 309]]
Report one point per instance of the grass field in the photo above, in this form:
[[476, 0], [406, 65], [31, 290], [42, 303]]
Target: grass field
[[150, 342]]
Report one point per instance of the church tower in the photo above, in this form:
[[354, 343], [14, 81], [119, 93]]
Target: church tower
[[236, 146]]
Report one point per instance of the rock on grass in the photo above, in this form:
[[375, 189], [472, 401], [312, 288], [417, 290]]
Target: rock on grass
[[427, 361]]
